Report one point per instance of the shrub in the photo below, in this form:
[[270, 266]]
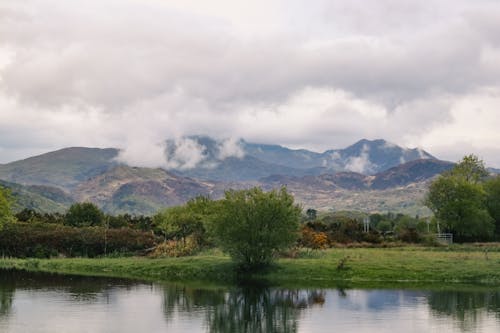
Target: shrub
[[175, 248], [253, 226], [44, 240], [313, 239]]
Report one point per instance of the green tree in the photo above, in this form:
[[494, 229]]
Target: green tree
[[311, 214], [470, 169], [84, 214], [253, 225], [384, 226], [178, 222], [459, 201], [6, 215], [460, 208], [492, 187]]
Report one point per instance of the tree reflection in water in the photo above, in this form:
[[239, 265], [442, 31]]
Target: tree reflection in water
[[82, 289], [465, 307], [243, 309], [6, 297]]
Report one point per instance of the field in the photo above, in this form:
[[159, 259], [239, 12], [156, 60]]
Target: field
[[351, 266]]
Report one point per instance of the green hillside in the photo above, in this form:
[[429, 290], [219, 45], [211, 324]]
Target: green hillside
[[45, 199], [63, 168]]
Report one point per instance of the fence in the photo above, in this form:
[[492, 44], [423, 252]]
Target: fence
[[445, 238]]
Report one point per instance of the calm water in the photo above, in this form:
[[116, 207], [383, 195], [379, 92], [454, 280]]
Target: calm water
[[52, 303]]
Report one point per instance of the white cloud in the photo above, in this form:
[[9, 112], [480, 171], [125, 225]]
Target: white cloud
[[230, 148], [361, 163], [473, 128], [319, 75], [184, 153]]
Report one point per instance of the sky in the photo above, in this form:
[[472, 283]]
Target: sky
[[304, 74]]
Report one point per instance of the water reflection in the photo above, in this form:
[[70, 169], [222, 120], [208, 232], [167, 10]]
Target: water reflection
[[50, 303], [466, 308], [244, 309]]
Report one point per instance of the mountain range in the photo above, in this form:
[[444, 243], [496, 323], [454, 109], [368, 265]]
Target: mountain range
[[368, 175]]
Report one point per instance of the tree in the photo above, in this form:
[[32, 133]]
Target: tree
[[470, 169], [311, 214], [492, 187], [459, 206], [178, 222], [84, 214], [5, 207], [459, 201], [252, 225]]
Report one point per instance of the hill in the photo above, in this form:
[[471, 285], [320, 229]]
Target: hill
[[64, 168], [38, 197], [124, 189]]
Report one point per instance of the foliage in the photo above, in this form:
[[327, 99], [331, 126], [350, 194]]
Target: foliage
[[84, 214], [179, 222], [384, 226], [492, 187], [311, 214], [458, 201], [252, 225], [5, 207], [313, 239], [46, 240], [470, 169], [175, 248]]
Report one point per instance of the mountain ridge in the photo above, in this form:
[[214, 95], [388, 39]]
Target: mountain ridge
[[317, 179]]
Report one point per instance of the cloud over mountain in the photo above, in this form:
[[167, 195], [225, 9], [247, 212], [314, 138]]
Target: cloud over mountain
[[128, 74]]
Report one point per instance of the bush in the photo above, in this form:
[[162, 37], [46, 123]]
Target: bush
[[313, 239], [253, 226], [175, 248], [84, 214], [42, 240]]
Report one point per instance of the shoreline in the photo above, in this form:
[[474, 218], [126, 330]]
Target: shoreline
[[333, 267]]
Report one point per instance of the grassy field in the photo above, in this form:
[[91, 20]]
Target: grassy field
[[349, 266]]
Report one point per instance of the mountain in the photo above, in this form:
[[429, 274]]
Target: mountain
[[242, 161], [371, 157], [125, 189], [241, 169], [216, 163], [411, 172], [200, 165], [399, 189], [365, 156], [401, 175], [253, 161], [64, 168], [275, 154]]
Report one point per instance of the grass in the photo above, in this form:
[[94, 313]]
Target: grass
[[333, 267]]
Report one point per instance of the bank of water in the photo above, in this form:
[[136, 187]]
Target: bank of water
[[355, 266], [42, 302]]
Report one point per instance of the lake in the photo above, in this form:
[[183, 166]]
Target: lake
[[57, 303]]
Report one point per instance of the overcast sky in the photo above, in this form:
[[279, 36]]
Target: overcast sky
[[309, 74]]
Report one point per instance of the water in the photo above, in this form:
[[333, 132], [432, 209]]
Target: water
[[53, 303]]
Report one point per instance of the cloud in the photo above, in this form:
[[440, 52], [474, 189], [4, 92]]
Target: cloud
[[230, 148], [361, 163], [134, 155], [321, 75], [184, 153]]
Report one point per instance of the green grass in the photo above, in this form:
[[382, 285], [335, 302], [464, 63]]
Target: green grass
[[361, 267]]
